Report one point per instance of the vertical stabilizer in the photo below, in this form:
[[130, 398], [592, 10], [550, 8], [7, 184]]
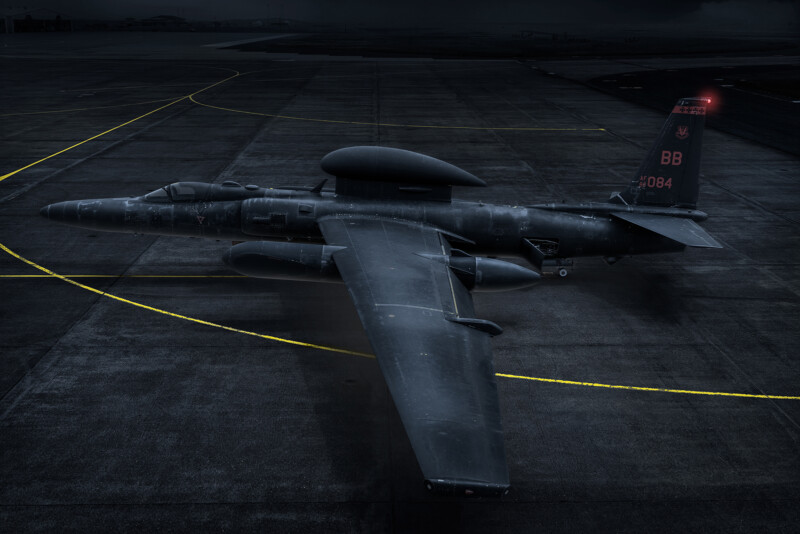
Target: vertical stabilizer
[[669, 174]]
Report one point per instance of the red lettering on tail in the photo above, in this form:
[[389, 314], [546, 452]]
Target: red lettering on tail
[[671, 158], [655, 182]]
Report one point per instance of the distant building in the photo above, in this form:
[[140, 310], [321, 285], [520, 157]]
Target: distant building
[[36, 20], [164, 23]]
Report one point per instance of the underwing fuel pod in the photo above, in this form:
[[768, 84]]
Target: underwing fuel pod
[[312, 262], [410, 256]]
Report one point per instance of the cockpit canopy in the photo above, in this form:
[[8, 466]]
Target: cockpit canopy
[[203, 192]]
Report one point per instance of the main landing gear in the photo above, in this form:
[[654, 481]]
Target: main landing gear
[[557, 267]]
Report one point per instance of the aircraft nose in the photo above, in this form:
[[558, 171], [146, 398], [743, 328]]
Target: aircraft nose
[[61, 211]]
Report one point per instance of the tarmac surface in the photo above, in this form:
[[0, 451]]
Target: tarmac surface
[[121, 411]]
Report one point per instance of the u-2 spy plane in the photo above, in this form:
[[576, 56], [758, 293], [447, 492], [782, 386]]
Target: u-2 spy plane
[[410, 255]]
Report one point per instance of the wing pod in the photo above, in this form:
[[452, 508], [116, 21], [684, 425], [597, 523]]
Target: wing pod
[[487, 274], [284, 261]]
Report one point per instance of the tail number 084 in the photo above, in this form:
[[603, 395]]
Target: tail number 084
[[655, 182]]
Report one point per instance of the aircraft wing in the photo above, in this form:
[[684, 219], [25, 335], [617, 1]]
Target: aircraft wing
[[435, 357]]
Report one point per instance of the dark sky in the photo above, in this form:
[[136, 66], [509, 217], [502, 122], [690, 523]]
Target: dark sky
[[755, 14]]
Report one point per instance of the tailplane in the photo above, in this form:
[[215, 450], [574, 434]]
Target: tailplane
[[669, 174]]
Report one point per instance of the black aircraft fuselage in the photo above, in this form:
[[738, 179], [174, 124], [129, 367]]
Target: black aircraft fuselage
[[280, 214], [410, 254], [656, 213]]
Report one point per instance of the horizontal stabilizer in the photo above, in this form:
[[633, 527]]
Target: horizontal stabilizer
[[682, 230]]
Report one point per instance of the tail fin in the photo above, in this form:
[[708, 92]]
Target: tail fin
[[668, 176]]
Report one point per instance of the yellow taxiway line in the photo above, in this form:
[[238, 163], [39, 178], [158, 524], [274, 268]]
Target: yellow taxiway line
[[176, 315], [68, 279], [656, 390], [126, 276], [89, 139], [49, 273], [180, 99], [398, 125]]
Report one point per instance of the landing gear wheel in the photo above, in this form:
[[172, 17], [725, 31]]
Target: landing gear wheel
[[560, 267]]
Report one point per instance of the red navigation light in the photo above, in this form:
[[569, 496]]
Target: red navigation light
[[712, 97]]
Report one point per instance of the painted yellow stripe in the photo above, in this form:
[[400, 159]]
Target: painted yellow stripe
[[13, 276], [116, 127], [640, 388], [177, 315], [89, 139], [397, 125], [50, 273]]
